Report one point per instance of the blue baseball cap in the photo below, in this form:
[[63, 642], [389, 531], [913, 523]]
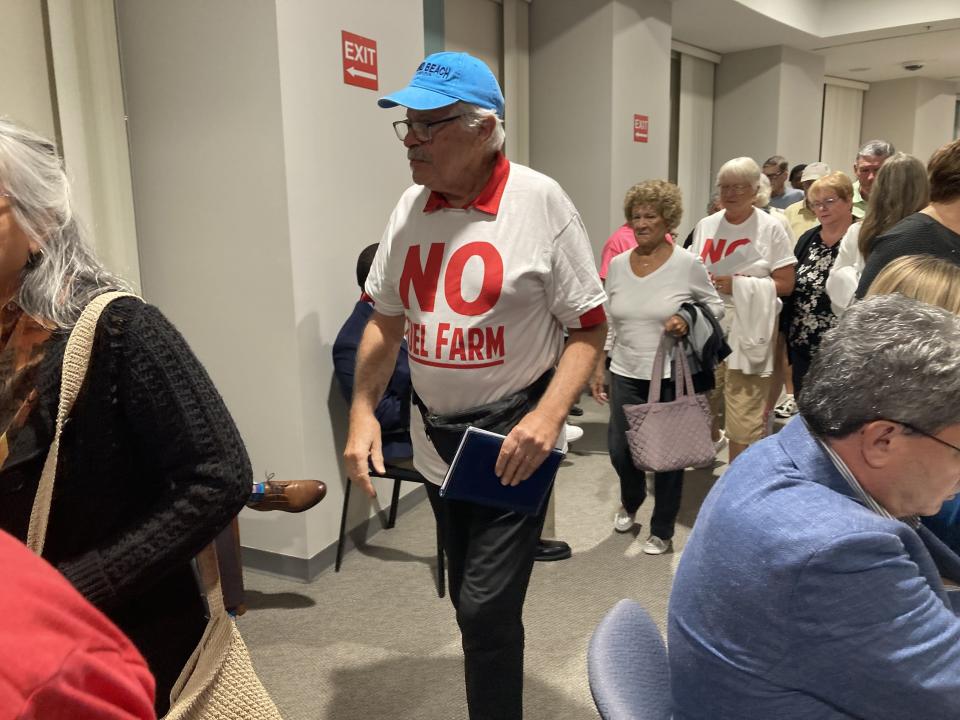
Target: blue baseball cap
[[443, 79]]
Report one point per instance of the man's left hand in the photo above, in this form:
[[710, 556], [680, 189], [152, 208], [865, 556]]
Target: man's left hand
[[526, 447]]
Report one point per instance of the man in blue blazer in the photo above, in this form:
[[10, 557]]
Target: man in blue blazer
[[808, 589]]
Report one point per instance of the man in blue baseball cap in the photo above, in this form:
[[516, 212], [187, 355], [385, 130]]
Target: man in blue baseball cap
[[483, 263]]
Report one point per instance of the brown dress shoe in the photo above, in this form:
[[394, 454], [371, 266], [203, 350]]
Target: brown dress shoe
[[290, 495]]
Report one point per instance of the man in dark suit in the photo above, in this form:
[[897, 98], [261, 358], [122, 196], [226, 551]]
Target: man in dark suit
[[808, 588]]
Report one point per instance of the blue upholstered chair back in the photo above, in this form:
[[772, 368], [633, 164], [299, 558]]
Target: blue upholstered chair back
[[627, 666]]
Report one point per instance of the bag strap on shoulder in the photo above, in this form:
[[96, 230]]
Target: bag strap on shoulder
[[76, 361]]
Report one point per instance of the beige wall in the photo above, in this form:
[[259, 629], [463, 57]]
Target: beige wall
[[25, 92], [206, 134], [800, 107], [746, 106], [593, 65], [259, 176], [475, 26], [695, 139], [936, 103], [888, 113], [915, 114], [345, 170], [768, 101]]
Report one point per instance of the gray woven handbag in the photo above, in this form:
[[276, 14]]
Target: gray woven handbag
[[665, 436]]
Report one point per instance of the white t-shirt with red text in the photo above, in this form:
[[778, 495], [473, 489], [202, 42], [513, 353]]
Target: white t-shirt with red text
[[486, 296], [714, 238], [760, 235]]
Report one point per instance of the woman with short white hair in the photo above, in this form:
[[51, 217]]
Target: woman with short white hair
[[749, 255]]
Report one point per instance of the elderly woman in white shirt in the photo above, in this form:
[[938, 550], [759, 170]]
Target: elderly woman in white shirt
[[901, 189], [750, 256], [646, 288]]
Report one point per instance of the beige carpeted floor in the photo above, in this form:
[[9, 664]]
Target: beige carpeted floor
[[375, 641]]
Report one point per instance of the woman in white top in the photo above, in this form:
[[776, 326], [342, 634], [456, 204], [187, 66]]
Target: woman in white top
[[750, 256], [901, 189], [646, 287]]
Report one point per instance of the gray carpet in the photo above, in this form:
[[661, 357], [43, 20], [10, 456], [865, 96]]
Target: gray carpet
[[375, 641]]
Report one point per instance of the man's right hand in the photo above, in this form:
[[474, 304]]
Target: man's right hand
[[363, 449]]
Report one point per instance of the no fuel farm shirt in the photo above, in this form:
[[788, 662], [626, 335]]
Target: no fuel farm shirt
[[486, 290]]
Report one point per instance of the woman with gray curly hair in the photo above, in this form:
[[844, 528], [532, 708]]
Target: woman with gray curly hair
[[151, 466], [646, 287]]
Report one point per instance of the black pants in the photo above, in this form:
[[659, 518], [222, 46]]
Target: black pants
[[799, 366], [489, 560], [668, 486]]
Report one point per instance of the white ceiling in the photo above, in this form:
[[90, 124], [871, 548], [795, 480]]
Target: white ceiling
[[871, 48]]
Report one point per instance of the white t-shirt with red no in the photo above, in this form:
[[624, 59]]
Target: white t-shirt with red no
[[714, 239], [486, 296]]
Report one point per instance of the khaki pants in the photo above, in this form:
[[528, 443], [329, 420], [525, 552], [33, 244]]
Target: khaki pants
[[738, 403]]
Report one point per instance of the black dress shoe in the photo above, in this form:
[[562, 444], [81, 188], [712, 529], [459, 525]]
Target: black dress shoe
[[576, 411], [548, 550]]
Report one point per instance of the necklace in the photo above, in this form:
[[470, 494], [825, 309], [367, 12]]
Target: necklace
[[649, 261]]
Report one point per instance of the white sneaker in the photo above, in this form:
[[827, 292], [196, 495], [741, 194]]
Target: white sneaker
[[788, 408], [573, 432], [720, 444], [623, 521], [657, 546]]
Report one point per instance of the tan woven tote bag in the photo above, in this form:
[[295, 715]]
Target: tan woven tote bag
[[218, 682]]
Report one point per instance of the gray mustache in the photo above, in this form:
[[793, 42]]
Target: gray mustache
[[412, 154]]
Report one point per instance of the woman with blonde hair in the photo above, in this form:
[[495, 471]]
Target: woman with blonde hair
[[921, 277], [807, 313], [901, 188]]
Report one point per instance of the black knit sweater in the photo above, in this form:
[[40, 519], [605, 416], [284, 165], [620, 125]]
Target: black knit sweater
[[151, 468], [917, 234]]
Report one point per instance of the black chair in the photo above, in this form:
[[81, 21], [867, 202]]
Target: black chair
[[398, 474]]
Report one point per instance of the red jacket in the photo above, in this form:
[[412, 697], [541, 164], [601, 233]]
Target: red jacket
[[62, 658]]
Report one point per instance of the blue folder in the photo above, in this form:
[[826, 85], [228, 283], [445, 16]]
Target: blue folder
[[471, 476]]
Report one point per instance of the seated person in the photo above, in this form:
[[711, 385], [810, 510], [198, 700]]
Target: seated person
[[63, 657], [393, 412], [808, 588]]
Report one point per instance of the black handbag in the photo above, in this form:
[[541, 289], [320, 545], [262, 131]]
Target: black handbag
[[500, 416]]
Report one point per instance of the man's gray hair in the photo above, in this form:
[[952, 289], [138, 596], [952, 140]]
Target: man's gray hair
[[474, 116], [65, 275], [876, 148], [889, 357]]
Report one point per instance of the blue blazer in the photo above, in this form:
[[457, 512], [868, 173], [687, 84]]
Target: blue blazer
[[794, 600]]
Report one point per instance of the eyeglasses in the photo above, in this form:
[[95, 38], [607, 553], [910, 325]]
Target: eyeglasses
[[422, 131], [913, 428], [774, 176], [739, 188], [824, 205]]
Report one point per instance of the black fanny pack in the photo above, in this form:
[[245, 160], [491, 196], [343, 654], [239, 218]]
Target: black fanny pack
[[500, 416]]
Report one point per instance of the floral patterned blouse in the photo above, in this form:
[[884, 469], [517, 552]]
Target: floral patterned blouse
[[812, 311]]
